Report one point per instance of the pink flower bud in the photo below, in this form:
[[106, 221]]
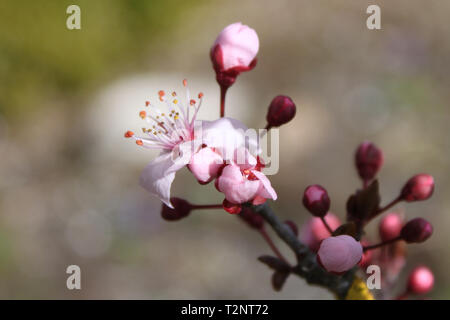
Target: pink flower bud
[[205, 165], [416, 230], [390, 226], [419, 187], [313, 231], [181, 209], [339, 254], [238, 45], [316, 200], [368, 159], [281, 110], [421, 280]]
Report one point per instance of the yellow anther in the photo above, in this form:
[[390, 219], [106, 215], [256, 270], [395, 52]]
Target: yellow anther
[[175, 101]]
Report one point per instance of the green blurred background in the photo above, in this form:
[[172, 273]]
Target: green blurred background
[[69, 190]]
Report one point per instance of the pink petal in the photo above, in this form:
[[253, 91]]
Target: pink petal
[[267, 191], [205, 164], [235, 187], [339, 254], [239, 45]]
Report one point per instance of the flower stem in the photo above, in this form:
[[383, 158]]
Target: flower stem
[[386, 207], [389, 205], [223, 92], [272, 246], [381, 244], [207, 206], [325, 223]]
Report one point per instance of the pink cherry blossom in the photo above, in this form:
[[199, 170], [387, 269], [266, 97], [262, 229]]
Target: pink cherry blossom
[[181, 138], [241, 181], [238, 45], [339, 254]]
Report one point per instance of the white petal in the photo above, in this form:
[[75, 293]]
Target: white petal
[[226, 135], [159, 174]]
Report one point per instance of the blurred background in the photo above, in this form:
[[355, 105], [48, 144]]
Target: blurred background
[[69, 190]]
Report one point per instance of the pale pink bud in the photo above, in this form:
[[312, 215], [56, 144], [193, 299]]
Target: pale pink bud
[[421, 280], [419, 187], [314, 231], [205, 165], [368, 159], [339, 254], [390, 226], [238, 45]]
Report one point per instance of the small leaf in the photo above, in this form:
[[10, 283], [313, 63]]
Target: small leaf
[[278, 279], [346, 228], [275, 263], [364, 203]]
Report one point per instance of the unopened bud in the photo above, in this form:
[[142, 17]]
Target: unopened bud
[[316, 200], [181, 209], [233, 52], [339, 254], [281, 110], [421, 280], [390, 226], [417, 230], [420, 187], [368, 160]]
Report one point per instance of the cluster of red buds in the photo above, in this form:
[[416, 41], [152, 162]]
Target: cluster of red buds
[[337, 248], [340, 247]]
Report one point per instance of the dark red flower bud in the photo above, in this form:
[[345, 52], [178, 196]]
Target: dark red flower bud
[[420, 187], [181, 209], [292, 226], [420, 280], [316, 200], [368, 160], [253, 219], [231, 208], [390, 226], [416, 230], [281, 110]]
